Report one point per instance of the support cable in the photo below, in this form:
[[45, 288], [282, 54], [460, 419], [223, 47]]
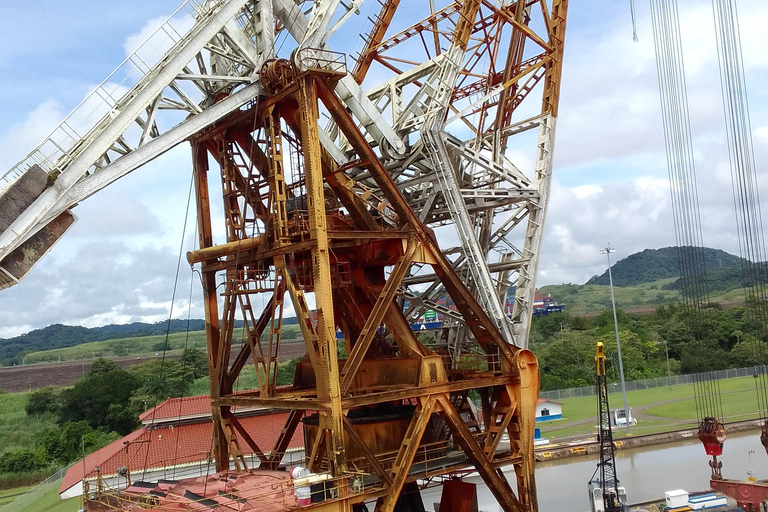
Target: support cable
[[744, 180], [170, 317]]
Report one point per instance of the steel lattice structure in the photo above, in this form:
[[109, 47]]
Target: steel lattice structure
[[347, 194]]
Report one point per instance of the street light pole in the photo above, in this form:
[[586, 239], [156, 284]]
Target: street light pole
[[607, 251]]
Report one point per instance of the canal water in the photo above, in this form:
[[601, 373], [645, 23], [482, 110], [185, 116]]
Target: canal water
[[645, 472]]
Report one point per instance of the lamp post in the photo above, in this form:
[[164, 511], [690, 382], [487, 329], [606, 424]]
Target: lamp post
[[669, 373], [607, 251]]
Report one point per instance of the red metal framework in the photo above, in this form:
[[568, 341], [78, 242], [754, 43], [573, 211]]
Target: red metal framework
[[324, 237]]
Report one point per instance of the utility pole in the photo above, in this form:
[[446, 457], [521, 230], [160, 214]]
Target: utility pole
[[607, 251]]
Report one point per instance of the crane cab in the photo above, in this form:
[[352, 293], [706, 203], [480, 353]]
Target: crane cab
[[597, 498]]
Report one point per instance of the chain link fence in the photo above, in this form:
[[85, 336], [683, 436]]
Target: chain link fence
[[31, 496], [674, 380]]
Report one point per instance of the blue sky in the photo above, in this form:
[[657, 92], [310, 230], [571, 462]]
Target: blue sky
[[117, 263]]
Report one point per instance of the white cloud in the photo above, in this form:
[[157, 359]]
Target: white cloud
[[118, 262], [21, 138], [585, 191]]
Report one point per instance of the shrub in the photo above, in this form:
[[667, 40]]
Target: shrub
[[43, 400], [21, 461]]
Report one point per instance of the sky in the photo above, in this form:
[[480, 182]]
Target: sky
[[118, 263]]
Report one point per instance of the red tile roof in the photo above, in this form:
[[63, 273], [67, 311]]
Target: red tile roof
[[176, 407], [184, 407], [175, 445]]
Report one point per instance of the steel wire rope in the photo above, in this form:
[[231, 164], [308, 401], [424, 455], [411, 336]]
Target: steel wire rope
[[743, 177], [680, 161], [168, 328], [684, 191], [184, 359]]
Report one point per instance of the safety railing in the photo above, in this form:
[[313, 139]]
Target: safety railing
[[315, 59], [56, 151]]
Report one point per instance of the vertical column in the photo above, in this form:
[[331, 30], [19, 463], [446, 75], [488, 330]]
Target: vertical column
[[327, 367], [212, 332]]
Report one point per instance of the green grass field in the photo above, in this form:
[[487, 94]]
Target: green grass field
[[16, 429], [48, 501], [112, 348], [8, 495], [140, 346], [675, 409], [590, 298]]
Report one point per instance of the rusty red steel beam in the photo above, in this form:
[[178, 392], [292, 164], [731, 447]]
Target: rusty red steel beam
[[200, 177], [375, 37], [245, 350], [354, 436], [406, 454], [373, 321], [284, 439], [495, 480], [477, 320]]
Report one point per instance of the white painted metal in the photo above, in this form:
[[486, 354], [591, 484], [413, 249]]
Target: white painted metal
[[214, 49]]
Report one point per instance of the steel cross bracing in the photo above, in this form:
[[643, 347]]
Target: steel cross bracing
[[452, 70], [331, 172]]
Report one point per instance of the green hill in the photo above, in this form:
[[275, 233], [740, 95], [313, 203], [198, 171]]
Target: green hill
[[652, 265]]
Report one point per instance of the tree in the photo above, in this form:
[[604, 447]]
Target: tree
[[748, 352], [702, 356], [43, 400], [102, 366], [194, 362], [100, 397], [21, 461], [567, 361], [636, 355], [67, 445], [161, 346]]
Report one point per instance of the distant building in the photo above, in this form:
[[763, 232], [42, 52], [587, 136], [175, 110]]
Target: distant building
[[174, 442], [619, 417], [547, 410]]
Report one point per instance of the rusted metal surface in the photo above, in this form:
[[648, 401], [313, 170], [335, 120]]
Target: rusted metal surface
[[308, 228], [712, 435], [748, 495]]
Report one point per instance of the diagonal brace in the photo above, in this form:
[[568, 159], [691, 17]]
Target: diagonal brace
[[377, 315]]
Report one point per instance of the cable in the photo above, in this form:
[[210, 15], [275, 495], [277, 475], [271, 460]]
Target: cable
[[184, 361], [743, 177], [170, 317]]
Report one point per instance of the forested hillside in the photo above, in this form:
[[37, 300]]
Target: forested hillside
[[61, 336], [646, 279], [725, 338], [655, 264]]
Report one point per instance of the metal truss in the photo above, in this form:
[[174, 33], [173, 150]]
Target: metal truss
[[332, 171], [451, 71]]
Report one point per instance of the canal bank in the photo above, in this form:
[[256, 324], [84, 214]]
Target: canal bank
[[589, 445]]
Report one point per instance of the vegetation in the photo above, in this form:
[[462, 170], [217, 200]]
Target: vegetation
[[145, 346], [652, 344], [654, 264], [47, 429], [13, 350], [670, 408], [47, 502]]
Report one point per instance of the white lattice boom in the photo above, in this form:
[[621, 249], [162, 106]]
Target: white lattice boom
[[442, 100]]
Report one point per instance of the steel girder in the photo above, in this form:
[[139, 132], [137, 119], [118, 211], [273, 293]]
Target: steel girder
[[210, 68], [296, 223], [468, 68]]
